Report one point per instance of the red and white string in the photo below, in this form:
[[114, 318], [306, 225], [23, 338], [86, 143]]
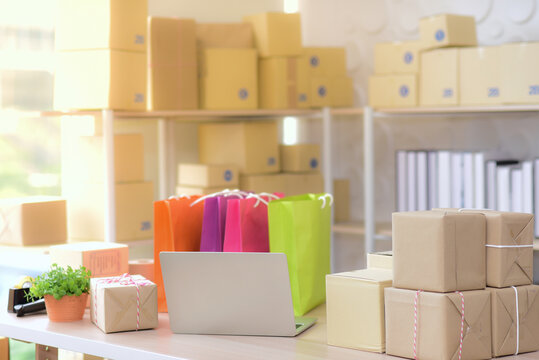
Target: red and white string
[[415, 321]]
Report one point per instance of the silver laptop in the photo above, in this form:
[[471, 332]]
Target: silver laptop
[[230, 294]]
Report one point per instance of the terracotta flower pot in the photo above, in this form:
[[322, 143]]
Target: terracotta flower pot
[[68, 308]]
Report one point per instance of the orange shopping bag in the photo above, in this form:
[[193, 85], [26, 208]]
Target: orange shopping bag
[[177, 227]]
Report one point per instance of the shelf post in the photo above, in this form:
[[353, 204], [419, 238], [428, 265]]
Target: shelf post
[[108, 161], [327, 173], [368, 179]]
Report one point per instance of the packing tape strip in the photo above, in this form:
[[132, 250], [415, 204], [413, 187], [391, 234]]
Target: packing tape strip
[[144, 267]]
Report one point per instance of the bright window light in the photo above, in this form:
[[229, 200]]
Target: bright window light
[[291, 6], [290, 130]]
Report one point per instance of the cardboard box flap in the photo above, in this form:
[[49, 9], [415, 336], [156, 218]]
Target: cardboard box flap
[[476, 310], [370, 275]]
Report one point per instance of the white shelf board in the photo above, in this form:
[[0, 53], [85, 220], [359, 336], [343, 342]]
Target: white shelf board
[[452, 110]]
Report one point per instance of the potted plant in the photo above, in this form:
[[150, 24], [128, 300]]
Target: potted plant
[[65, 292]]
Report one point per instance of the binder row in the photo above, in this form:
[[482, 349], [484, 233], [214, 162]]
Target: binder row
[[463, 179]]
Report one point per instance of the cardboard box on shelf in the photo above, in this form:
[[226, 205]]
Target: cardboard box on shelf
[[355, 309], [341, 194], [203, 175], [320, 92], [134, 211], [447, 30], [101, 258], [34, 220], [300, 157], [306, 183], [122, 25], [270, 183], [399, 57], [341, 92], [439, 250], [123, 306], [182, 190], [277, 78], [303, 83], [229, 79], [325, 61], [519, 73], [439, 77], [84, 162], [510, 320], [439, 324], [100, 79], [252, 147], [224, 35], [276, 34], [380, 260], [172, 64], [480, 76], [393, 91]]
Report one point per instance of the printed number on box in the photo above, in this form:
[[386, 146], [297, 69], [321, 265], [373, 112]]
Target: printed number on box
[[322, 91], [493, 92], [243, 93], [448, 93], [408, 57], [227, 175], [271, 161], [139, 39], [139, 98], [533, 90], [313, 163], [314, 61], [439, 35], [404, 91], [145, 226]]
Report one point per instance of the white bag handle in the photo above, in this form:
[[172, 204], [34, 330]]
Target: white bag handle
[[259, 199], [181, 196], [323, 198]]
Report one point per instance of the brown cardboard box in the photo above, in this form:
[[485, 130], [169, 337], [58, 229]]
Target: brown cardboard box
[[306, 183], [320, 92], [439, 78], [447, 30], [480, 76], [341, 92], [519, 72], [380, 260], [116, 307], [393, 91], [507, 265], [271, 183], [197, 190], [121, 25], [399, 57], [277, 78], [224, 35], [439, 251], [252, 146], [276, 34], [300, 157], [84, 163], [355, 309], [229, 79], [37, 220], [506, 321], [341, 194], [303, 82], [100, 79], [172, 64], [439, 324], [102, 259], [134, 211], [202, 175], [325, 61], [4, 348]]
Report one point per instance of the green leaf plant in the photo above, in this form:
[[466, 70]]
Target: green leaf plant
[[60, 282]]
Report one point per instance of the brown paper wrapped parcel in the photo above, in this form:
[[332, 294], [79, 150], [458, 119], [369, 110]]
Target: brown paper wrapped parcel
[[439, 251], [114, 306], [439, 323], [355, 308], [508, 320]]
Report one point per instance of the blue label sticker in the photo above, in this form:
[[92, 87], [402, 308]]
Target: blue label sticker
[[139, 39], [493, 92], [145, 226], [243, 93], [322, 91], [139, 98], [227, 175], [533, 90], [408, 57], [314, 61], [271, 161], [404, 91], [302, 97], [313, 163], [447, 93], [439, 35]]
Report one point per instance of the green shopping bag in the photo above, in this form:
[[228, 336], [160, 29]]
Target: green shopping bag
[[300, 227]]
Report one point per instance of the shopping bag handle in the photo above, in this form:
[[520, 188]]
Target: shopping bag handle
[[273, 196], [181, 196], [259, 199], [225, 192], [323, 198]]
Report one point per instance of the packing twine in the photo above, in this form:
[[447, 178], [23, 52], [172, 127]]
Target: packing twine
[[518, 319], [124, 280], [416, 315]]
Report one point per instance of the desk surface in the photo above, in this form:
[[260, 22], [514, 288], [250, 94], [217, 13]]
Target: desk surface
[[161, 344]]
